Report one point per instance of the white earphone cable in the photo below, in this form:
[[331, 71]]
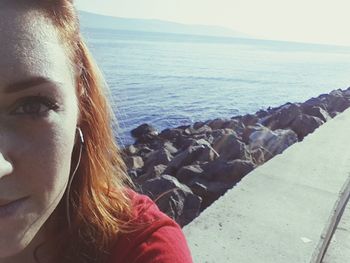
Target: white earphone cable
[[72, 177]]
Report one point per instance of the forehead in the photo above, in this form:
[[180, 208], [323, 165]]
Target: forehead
[[29, 45]]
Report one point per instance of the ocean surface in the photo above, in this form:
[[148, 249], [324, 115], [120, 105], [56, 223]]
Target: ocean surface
[[169, 80]]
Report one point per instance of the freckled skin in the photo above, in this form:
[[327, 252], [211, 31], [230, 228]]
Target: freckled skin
[[35, 152]]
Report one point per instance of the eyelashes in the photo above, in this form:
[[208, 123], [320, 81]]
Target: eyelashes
[[35, 106]]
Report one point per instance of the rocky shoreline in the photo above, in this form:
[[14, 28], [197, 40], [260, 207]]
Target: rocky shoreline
[[185, 169]]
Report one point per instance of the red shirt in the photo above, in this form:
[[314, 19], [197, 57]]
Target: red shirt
[[161, 241]]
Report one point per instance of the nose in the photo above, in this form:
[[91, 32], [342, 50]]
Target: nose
[[6, 167]]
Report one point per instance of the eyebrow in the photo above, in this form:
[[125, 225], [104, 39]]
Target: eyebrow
[[28, 83]]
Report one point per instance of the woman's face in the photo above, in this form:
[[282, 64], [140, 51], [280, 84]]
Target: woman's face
[[38, 119]]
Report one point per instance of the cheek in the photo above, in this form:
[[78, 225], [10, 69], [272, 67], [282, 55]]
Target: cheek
[[43, 160]]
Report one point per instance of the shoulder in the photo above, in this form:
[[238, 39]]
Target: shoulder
[[157, 238]]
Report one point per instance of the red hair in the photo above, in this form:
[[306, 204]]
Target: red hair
[[100, 207]]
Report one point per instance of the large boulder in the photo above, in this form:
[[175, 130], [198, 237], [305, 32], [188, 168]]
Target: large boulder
[[230, 148], [283, 117], [154, 171], [315, 102], [201, 130], [170, 148], [144, 133], [346, 93], [162, 156], [260, 155], [273, 142], [189, 173], [336, 102], [249, 119], [217, 123], [198, 124], [200, 153], [236, 125], [262, 113], [318, 112], [305, 124], [233, 171], [173, 198], [209, 191], [249, 130], [172, 135], [226, 171]]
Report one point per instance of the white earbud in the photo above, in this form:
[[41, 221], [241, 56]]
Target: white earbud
[[80, 135]]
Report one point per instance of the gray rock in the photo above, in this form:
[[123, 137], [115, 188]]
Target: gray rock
[[144, 133], [200, 136], [315, 102], [202, 130], [283, 116], [333, 114], [217, 123], [317, 111], [173, 198], [305, 124], [346, 93], [162, 156], [260, 156], [171, 134], [249, 130], [262, 113], [184, 142], [336, 102], [187, 157], [201, 142], [156, 171], [226, 131], [273, 142], [189, 173], [236, 125], [233, 171], [230, 148], [199, 189], [209, 191], [130, 150], [198, 124], [143, 150], [134, 162], [249, 119], [208, 154], [170, 148]]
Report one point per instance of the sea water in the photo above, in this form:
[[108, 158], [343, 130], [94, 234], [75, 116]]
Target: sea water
[[169, 80]]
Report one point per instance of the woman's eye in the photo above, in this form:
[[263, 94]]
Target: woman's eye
[[34, 106]]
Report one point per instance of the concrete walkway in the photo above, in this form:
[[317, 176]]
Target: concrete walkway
[[283, 210]]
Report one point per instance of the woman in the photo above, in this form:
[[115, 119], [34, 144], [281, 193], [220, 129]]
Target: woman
[[64, 193]]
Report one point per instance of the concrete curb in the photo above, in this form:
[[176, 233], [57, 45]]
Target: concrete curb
[[331, 227]]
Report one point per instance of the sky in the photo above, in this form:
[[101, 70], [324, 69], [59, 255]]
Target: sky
[[314, 21]]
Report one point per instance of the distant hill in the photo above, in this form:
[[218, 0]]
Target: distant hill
[[92, 20]]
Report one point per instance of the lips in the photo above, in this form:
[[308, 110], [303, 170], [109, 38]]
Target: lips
[[10, 207], [4, 202]]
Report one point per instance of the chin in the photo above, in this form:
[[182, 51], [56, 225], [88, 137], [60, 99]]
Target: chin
[[18, 245], [12, 249]]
